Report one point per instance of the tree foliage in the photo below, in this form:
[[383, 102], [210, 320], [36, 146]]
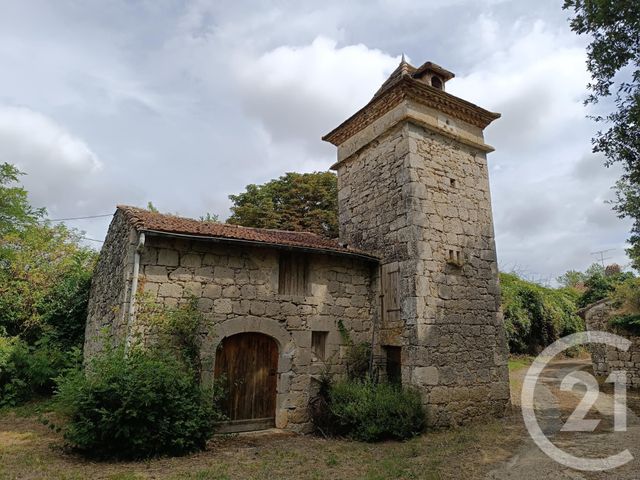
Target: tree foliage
[[600, 282], [572, 279], [15, 211], [626, 297], [44, 281], [613, 59], [45, 274], [295, 201]]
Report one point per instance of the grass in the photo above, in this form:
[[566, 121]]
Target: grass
[[28, 449], [29, 409], [518, 362]]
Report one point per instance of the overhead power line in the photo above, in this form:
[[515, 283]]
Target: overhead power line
[[80, 218], [92, 239]]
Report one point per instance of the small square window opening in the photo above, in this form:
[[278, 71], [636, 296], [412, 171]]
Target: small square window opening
[[319, 344]]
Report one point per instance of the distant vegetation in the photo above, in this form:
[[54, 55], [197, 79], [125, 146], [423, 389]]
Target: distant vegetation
[[627, 300], [536, 316]]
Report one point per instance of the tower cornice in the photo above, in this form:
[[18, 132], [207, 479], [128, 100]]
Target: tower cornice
[[405, 87]]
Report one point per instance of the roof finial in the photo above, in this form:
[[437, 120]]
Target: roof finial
[[404, 66]]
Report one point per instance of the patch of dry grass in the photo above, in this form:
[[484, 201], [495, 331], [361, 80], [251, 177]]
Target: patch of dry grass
[[29, 450]]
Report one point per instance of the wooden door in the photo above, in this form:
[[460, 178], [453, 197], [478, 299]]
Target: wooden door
[[249, 364]]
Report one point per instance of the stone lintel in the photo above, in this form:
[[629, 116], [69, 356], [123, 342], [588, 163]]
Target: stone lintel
[[427, 118]]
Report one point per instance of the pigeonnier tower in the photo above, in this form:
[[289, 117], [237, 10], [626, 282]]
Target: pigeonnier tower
[[413, 188]]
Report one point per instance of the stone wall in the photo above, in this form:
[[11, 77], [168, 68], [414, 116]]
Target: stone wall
[[237, 291], [606, 359], [110, 287], [413, 196]]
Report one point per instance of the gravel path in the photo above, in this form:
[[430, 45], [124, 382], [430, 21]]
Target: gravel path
[[553, 408]]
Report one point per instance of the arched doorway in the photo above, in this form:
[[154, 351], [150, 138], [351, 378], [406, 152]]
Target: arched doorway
[[249, 364]]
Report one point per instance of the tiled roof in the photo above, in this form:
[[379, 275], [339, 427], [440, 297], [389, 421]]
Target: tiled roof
[[405, 68], [144, 220]]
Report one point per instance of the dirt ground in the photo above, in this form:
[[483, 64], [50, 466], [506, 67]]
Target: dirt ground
[[498, 450], [553, 407]]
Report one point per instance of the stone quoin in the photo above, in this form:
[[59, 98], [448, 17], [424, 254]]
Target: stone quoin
[[414, 271]]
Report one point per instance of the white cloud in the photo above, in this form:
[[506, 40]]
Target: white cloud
[[549, 192], [35, 142], [300, 93], [205, 97], [63, 173]]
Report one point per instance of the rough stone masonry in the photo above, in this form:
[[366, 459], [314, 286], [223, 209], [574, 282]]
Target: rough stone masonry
[[608, 359], [414, 270], [414, 189]]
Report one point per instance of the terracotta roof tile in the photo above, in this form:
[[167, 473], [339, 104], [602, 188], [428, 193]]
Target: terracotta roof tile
[[144, 220], [403, 69]]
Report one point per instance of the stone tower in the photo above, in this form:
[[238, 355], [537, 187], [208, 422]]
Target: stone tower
[[414, 189]]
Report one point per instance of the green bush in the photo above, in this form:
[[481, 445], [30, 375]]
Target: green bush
[[30, 371], [627, 300], [536, 316], [138, 405], [368, 411], [601, 284], [64, 311], [629, 323]]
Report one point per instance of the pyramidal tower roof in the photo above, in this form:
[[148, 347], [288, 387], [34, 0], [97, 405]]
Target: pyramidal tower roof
[[402, 69], [406, 69], [424, 85]]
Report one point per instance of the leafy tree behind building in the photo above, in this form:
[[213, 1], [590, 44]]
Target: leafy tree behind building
[[295, 201]]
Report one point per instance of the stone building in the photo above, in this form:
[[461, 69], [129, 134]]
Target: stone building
[[414, 272]]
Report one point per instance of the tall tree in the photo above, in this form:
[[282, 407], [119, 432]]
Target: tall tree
[[45, 271], [295, 201], [613, 59], [15, 211]]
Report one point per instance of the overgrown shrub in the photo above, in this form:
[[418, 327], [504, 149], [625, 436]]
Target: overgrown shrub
[[28, 371], [601, 283], [139, 405], [627, 300], [370, 412], [358, 357], [629, 323], [536, 316], [174, 329], [65, 312], [45, 274]]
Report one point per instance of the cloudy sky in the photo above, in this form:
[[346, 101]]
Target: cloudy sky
[[185, 102]]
